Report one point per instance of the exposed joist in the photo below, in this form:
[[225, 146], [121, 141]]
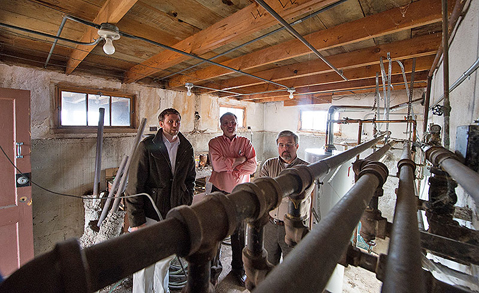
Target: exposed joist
[[305, 73], [247, 21], [342, 86], [112, 11], [418, 14], [398, 87], [310, 100]]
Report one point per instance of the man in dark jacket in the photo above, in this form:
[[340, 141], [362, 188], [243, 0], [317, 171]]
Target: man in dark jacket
[[163, 167]]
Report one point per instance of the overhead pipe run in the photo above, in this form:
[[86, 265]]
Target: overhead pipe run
[[298, 36], [189, 231], [404, 269]]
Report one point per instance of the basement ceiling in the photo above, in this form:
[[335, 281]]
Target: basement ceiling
[[255, 57]]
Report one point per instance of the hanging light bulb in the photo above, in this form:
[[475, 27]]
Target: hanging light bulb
[[109, 33], [291, 91], [188, 86], [108, 48]]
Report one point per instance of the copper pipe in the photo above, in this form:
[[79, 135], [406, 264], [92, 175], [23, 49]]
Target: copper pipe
[[403, 269]]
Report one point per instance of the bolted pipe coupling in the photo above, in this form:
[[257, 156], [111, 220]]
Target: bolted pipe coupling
[[409, 162], [260, 195], [378, 169]]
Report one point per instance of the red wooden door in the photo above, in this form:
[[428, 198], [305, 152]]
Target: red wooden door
[[16, 223]]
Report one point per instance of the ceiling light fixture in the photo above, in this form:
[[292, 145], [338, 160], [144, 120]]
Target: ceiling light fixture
[[291, 91], [189, 86], [109, 33]]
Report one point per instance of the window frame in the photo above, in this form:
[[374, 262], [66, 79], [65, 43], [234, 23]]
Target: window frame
[[58, 127], [300, 123], [235, 107]]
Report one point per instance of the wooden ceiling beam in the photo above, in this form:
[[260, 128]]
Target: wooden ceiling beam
[[300, 74], [344, 86], [418, 14], [245, 22], [368, 71], [112, 12]]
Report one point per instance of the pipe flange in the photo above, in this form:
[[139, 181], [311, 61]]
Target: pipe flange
[[229, 208], [188, 217], [408, 162], [275, 185], [437, 154], [73, 266], [252, 188], [378, 169], [358, 165], [301, 172]]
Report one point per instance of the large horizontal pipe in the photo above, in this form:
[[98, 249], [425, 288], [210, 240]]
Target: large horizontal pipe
[[403, 269], [309, 266], [447, 161], [185, 231]]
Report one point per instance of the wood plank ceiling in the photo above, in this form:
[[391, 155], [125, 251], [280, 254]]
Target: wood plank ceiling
[[256, 58]]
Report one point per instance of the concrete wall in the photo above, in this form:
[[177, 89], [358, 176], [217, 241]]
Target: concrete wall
[[64, 163], [463, 52]]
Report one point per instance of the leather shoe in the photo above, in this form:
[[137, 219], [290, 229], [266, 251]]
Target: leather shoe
[[240, 277]]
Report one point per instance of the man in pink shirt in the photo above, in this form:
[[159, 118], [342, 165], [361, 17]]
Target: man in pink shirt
[[234, 160]]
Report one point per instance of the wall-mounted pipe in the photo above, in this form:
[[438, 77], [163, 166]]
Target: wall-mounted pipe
[[403, 269], [445, 81], [447, 161]]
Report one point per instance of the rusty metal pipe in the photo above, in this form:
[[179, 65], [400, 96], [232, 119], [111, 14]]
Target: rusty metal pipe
[[403, 269], [447, 161], [315, 251], [378, 154], [99, 148]]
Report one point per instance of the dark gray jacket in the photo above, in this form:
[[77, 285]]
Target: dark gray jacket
[[150, 172]]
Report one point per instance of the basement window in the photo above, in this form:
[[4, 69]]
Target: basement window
[[315, 120], [238, 111], [79, 109]]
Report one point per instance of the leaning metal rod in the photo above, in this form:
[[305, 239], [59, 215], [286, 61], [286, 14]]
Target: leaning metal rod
[[313, 260], [121, 187], [447, 161], [404, 269], [298, 36]]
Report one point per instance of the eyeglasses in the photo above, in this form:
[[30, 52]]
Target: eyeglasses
[[287, 145]]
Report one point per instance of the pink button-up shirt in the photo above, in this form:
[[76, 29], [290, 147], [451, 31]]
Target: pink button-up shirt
[[223, 153]]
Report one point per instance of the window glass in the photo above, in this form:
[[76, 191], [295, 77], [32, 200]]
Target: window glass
[[95, 102], [315, 120], [81, 108], [73, 109], [239, 112], [120, 108]]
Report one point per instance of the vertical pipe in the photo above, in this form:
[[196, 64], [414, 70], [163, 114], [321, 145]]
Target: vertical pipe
[[99, 147], [426, 105], [198, 278], [445, 44], [403, 269], [360, 132]]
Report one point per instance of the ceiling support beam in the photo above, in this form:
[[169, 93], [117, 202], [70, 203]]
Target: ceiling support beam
[[301, 74], [111, 12], [243, 23], [419, 13]]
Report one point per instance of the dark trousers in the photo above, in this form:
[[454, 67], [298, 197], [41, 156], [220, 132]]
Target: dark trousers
[[237, 245]]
